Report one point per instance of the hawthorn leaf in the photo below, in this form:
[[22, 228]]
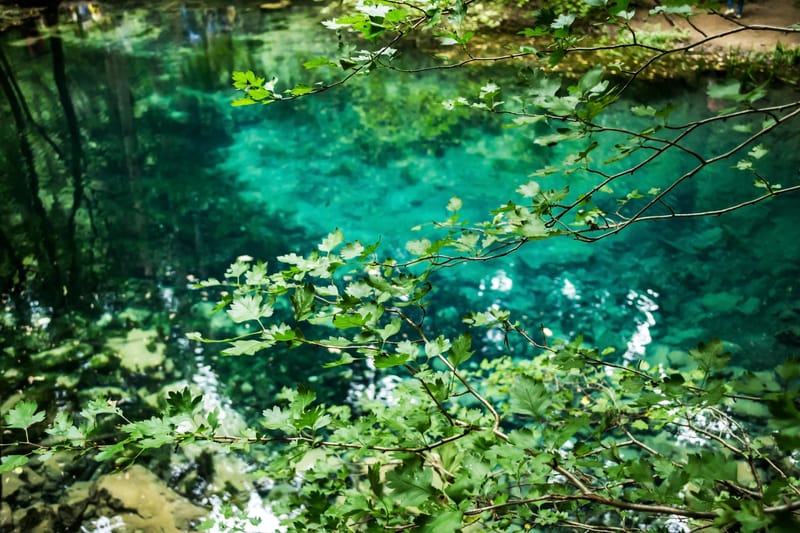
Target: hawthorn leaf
[[24, 414], [249, 307], [11, 462]]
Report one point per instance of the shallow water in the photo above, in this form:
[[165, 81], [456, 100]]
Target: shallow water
[[177, 184]]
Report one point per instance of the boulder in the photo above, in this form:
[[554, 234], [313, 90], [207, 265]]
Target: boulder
[[139, 351], [144, 503]]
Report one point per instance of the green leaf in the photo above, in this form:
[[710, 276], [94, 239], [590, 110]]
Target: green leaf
[[246, 100], [408, 348], [205, 525], [352, 320], [643, 110], [182, 402], [444, 521], [563, 21], [392, 328], [63, 428], [725, 91], [529, 190], [11, 462], [758, 152], [100, 406], [439, 346], [411, 487], [684, 10], [529, 397], [352, 250], [711, 356], [454, 204], [303, 302], [345, 359], [419, 247], [24, 414], [300, 89], [245, 308], [318, 62], [374, 477], [460, 351], [330, 242], [151, 433], [389, 360], [110, 451], [276, 418], [246, 347], [534, 228]]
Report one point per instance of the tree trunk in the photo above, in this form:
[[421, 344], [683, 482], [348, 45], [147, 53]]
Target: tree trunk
[[42, 225], [75, 162]]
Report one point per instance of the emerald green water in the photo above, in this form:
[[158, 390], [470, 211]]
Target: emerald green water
[[178, 184]]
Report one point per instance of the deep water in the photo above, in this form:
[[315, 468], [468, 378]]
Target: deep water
[[178, 184]]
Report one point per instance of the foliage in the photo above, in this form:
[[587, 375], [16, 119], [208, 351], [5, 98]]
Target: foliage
[[562, 436], [595, 198]]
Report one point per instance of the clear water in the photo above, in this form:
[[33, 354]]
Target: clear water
[[180, 184]]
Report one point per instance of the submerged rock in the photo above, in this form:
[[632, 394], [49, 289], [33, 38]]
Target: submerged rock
[[140, 350], [143, 502], [790, 336], [721, 301]]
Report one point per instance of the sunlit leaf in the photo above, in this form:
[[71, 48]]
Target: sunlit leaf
[[24, 414]]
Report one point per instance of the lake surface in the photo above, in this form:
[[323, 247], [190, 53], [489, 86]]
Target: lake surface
[[176, 184]]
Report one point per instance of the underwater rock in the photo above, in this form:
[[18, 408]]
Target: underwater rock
[[99, 360], [135, 315], [721, 301], [11, 483], [750, 306], [144, 502], [36, 519], [140, 350], [56, 356], [74, 504], [790, 336], [6, 517], [791, 313], [68, 381], [20, 482]]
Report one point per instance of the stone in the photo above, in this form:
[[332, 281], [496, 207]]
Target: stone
[[144, 502], [56, 356], [68, 381], [750, 306], [790, 336], [744, 474], [99, 360], [721, 301], [37, 519], [139, 351], [135, 315], [72, 506], [11, 483], [6, 517]]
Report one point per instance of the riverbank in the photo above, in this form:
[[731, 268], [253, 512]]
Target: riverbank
[[761, 29]]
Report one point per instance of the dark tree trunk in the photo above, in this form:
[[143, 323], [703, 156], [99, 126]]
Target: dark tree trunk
[[42, 224], [74, 289]]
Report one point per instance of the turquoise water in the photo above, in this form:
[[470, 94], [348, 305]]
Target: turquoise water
[[183, 183], [177, 184]]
